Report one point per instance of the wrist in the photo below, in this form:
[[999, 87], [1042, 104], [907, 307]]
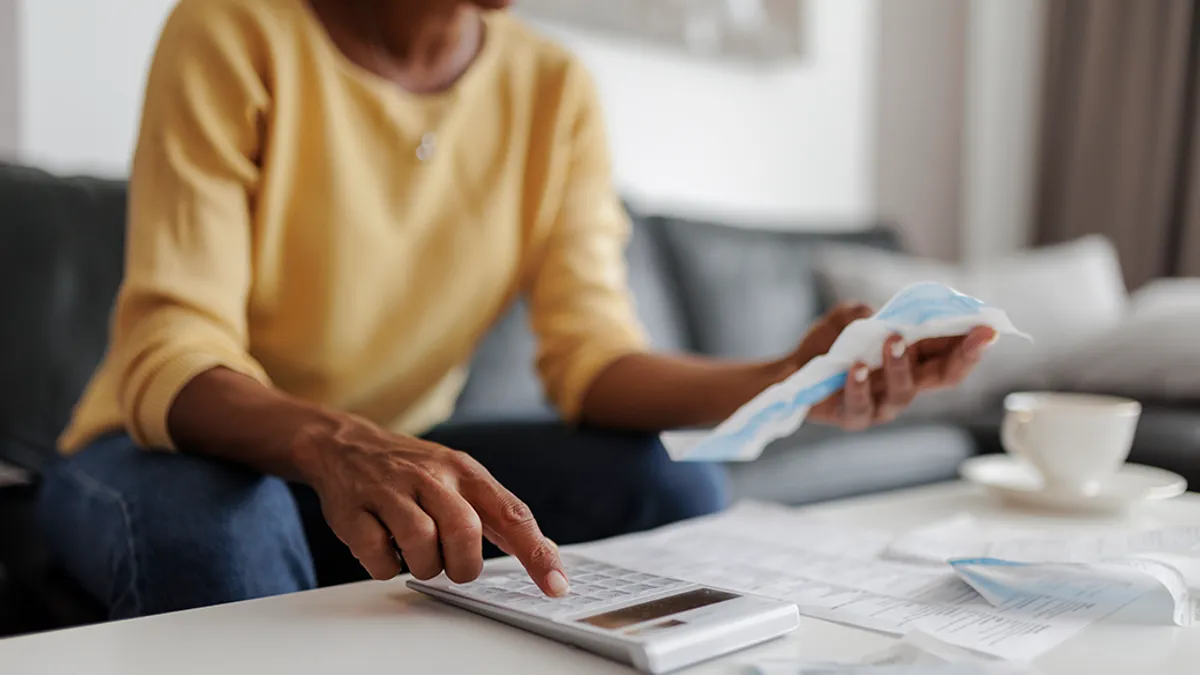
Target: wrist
[[786, 367], [311, 436]]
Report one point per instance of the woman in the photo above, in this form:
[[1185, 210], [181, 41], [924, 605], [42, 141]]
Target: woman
[[330, 203]]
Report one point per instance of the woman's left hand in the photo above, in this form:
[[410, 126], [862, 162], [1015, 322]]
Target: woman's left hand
[[875, 397]]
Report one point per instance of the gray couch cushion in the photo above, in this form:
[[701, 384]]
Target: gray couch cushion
[[821, 463], [751, 294], [61, 258], [1168, 436], [503, 383]]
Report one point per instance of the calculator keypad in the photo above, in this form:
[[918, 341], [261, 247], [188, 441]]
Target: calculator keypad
[[593, 585]]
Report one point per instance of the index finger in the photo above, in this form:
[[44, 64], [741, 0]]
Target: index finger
[[509, 518]]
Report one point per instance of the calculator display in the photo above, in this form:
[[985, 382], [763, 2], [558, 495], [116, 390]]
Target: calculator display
[[658, 608]]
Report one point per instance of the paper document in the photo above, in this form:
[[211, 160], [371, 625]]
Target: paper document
[[802, 668], [1108, 568], [966, 537], [1111, 583], [916, 654], [795, 667], [921, 311], [836, 574]]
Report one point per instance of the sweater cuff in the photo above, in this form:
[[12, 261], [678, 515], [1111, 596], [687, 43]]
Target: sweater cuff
[[149, 428]]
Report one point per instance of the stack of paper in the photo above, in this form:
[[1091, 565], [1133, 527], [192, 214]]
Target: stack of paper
[[1002, 563], [916, 654], [869, 580]]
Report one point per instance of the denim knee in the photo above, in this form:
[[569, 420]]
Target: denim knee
[[228, 550], [153, 532], [674, 490]]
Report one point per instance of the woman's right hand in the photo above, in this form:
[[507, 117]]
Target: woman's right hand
[[376, 488], [434, 503]]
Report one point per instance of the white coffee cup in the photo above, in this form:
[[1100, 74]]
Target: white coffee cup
[[1076, 441]]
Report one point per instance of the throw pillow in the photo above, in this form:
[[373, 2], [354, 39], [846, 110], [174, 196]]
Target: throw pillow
[[1154, 354], [1062, 295]]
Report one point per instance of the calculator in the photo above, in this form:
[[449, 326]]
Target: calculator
[[655, 624]]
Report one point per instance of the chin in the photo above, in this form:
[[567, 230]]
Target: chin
[[493, 4]]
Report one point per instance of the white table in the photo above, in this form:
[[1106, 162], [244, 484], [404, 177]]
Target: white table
[[385, 628]]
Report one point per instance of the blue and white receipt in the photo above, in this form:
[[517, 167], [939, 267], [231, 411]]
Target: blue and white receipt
[[921, 311]]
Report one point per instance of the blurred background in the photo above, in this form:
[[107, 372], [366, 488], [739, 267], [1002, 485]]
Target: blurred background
[[919, 110], [924, 112], [778, 156]]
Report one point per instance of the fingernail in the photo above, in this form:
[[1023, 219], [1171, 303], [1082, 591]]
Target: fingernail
[[898, 349], [557, 583], [860, 375], [992, 340]]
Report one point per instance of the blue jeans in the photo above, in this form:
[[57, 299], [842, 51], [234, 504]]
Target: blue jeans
[[148, 532]]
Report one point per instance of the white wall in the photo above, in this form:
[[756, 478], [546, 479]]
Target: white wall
[[766, 143], [695, 138], [83, 64], [1002, 97], [956, 149], [9, 73], [919, 148]]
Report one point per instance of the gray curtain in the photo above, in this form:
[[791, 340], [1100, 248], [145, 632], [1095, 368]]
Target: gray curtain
[[1120, 134]]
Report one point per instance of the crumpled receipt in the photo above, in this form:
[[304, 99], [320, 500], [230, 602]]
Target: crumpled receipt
[[921, 311], [1110, 584]]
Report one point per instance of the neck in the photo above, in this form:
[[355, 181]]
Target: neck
[[424, 35]]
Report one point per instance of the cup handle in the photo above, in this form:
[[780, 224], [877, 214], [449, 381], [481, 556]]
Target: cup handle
[[1012, 434]]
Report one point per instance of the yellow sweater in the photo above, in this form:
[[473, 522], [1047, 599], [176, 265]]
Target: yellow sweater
[[281, 224]]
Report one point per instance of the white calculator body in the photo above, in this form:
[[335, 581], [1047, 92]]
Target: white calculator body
[[655, 624]]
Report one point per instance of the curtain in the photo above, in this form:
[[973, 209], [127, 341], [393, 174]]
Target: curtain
[[1120, 136]]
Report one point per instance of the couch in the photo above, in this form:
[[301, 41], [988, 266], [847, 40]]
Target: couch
[[700, 287]]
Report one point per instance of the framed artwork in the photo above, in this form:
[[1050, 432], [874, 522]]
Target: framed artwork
[[756, 29]]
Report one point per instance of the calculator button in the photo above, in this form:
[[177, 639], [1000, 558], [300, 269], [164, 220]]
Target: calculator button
[[594, 585]]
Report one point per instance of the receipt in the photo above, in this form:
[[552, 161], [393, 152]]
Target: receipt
[[793, 668], [1106, 568], [921, 311], [834, 573], [1108, 585], [916, 654], [1179, 575]]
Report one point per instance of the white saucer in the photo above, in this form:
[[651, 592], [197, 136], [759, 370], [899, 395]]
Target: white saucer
[[1016, 482]]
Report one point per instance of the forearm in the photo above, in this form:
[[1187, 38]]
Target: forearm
[[225, 414], [651, 392]]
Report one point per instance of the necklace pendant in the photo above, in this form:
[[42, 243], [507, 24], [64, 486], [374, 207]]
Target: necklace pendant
[[428, 147]]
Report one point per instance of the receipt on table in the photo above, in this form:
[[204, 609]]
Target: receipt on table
[[782, 667], [835, 573], [921, 311], [1110, 584], [1100, 566], [916, 654]]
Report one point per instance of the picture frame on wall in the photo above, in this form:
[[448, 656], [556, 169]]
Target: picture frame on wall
[[747, 29]]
